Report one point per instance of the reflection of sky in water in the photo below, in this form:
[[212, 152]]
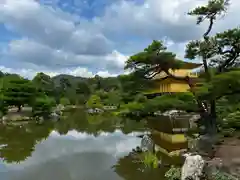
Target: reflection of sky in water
[[75, 156]]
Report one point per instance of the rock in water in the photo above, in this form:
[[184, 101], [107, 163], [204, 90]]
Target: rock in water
[[54, 116], [192, 167], [147, 144]]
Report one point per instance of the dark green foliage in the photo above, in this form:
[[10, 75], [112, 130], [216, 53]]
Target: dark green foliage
[[113, 98], [179, 101], [3, 108], [153, 60], [133, 107], [83, 88], [174, 173], [1, 74], [65, 101], [210, 11], [140, 98], [225, 84], [17, 91], [232, 120], [42, 106], [223, 49], [94, 102], [44, 84]]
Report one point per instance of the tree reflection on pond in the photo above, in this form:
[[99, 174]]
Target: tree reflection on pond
[[18, 141]]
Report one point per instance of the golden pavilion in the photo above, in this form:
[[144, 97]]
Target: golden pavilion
[[165, 84]]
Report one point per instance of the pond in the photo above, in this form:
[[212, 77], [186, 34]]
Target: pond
[[80, 147]]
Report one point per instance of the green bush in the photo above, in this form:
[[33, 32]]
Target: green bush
[[150, 160], [228, 132], [133, 106], [65, 101], [140, 98], [94, 102], [218, 175], [179, 101], [232, 120], [3, 109], [174, 173], [42, 106]]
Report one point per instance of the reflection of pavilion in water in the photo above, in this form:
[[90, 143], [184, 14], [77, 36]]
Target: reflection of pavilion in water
[[168, 134], [169, 140]]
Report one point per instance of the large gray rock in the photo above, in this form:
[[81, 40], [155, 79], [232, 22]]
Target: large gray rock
[[173, 113], [192, 167], [54, 116], [147, 144], [95, 111]]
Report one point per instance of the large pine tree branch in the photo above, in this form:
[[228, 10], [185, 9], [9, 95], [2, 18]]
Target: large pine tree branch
[[228, 94], [211, 20], [189, 81]]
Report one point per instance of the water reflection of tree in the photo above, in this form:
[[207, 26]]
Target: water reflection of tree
[[94, 124], [129, 167], [18, 142]]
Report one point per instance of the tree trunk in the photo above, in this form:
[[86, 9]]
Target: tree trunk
[[208, 117], [19, 108], [212, 115]]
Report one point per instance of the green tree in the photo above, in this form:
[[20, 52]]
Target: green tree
[[64, 101], [83, 92], [1, 74], [94, 102], [140, 98], [64, 85], [42, 106], [44, 84], [223, 50], [83, 88], [113, 98], [18, 91]]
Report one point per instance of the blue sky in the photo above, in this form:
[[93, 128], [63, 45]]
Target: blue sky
[[88, 37]]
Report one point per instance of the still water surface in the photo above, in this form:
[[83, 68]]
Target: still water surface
[[80, 147]]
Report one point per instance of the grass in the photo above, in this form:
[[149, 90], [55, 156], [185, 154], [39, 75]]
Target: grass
[[150, 160]]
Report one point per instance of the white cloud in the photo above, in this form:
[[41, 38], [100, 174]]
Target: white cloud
[[25, 50], [30, 73], [60, 41], [52, 27]]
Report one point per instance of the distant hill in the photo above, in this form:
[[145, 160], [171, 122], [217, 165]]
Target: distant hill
[[70, 78]]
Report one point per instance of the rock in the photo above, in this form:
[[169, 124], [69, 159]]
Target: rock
[[39, 119], [109, 107], [95, 111], [173, 113], [205, 144], [4, 118], [193, 120], [54, 116], [157, 113], [147, 144], [192, 167]]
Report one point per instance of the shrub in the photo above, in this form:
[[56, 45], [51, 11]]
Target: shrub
[[3, 109], [228, 132], [42, 106], [94, 102], [150, 160], [174, 173], [133, 106], [65, 101], [232, 120]]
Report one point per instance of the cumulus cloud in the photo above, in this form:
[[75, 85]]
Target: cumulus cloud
[[78, 71], [54, 38], [52, 27], [26, 50]]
